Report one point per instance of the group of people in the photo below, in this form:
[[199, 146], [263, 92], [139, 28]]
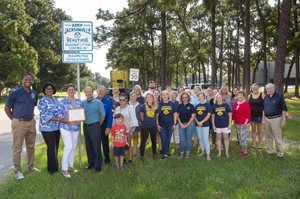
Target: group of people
[[184, 115]]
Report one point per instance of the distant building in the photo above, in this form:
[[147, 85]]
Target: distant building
[[259, 75]]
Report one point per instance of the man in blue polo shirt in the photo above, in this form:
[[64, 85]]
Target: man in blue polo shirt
[[19, 108], [95, 113], [106, 125], [274, 119]]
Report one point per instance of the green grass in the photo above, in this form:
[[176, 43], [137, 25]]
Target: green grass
[[258, 176], [292, 129]]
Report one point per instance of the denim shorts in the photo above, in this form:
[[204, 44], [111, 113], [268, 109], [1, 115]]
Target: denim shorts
[[137, 129], [119, 151], [256, 120]]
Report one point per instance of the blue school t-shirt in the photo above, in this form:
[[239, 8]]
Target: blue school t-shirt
[[149, 116], [166, 113], [185, 112], [201, 112], [221, 115]]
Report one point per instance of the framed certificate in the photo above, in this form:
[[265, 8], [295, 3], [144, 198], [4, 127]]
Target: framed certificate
[[76, 115]]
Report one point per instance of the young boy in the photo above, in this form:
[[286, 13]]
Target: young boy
[[119, 140]]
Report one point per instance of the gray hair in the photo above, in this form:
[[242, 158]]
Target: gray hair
[[102, 87]]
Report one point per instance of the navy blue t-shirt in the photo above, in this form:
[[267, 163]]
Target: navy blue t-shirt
[[22, 103], [221, 115], [185, 112], [166, 113], [201, 112], [149, 116], [274, 105]]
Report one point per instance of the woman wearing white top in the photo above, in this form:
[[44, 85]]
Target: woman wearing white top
[[130, 120]]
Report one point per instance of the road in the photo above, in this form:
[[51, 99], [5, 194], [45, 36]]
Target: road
[[6, 163]]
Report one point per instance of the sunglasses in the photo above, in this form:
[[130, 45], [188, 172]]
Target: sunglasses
[[122, 100]]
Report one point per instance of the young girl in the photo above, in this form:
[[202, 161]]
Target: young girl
[[186, 115], [203, 111], [119, 140], [167, 116], [221, 120], [148, 114]]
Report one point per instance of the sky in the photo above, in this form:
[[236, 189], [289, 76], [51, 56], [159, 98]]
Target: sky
[[86, 10]]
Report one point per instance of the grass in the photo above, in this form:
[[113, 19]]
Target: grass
[[258, 176]]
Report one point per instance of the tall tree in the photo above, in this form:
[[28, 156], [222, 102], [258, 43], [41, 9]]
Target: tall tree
[[282, 44], [247, 49], [297, 49]]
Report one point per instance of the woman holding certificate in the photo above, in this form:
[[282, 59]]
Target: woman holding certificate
[[71, 113]]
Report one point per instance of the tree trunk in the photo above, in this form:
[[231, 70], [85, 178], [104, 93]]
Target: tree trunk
[[204, 72], [296, 51], [278, 15], [229, 61], [247, 49], [153, 55], [213, 55], [287, 79], [256, 66], [163, 50], [282, 44], [177, 73], [185, 76], [264, 42], [221, 54]]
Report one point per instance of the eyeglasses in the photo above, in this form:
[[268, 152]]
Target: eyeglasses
[[49, 88], [122, 100]]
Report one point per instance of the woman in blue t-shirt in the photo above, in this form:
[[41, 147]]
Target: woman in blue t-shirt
[[186, 115], [221, 120], [203, 111], [167, 117], [148, 114]]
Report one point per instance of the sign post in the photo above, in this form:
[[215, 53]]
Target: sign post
[[77, 47], [134, 75]]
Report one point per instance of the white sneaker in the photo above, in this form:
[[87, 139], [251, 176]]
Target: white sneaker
[[73, 170], [66, 174], [19, 175], [34, 169]]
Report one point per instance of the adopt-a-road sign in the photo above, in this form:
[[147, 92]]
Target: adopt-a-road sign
[[77, 36]]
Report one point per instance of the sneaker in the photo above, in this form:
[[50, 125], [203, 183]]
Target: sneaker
[[34, 169], [160, 152], [130, 163], [19, 175], [73, 170], [163, 158], [66, 174], [201, 154]]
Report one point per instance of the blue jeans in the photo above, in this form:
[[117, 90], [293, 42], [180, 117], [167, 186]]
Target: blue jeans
[[203, 134], [186, 135], [165, 135]]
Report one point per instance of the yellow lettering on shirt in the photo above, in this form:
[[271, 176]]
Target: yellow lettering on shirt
[[150, 113], [220, 111], [200, 110], [166, 109]]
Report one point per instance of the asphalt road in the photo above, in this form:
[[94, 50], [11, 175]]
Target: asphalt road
[[6, 163]]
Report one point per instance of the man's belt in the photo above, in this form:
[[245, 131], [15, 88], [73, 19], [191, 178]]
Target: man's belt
[[23, 119], [273, 117], [91, 124]]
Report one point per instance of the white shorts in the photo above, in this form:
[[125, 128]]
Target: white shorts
[[222, 130]]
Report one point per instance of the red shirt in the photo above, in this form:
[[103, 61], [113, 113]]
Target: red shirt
[[118, 133], [241, 112]]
